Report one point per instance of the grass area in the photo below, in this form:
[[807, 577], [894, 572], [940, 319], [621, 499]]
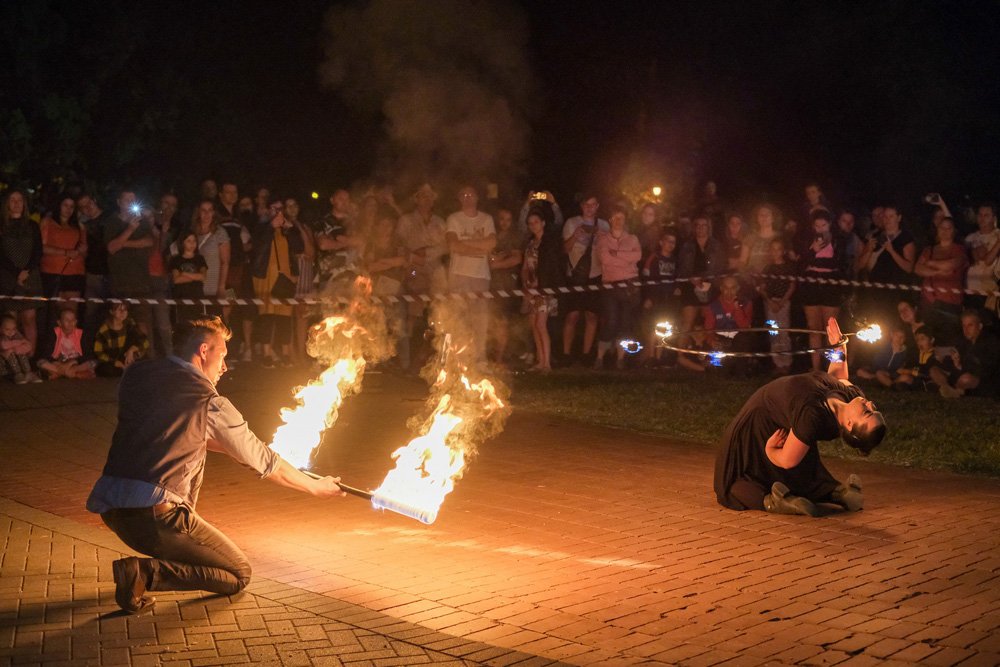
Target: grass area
[[925, 431]]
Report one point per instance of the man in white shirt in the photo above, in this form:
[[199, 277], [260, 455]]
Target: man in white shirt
[[471, 236], [984, 247], [579, 234]]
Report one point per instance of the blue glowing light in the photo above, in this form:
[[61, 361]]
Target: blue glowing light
[[631, 346], [834, 356], [715, 358], [772, 325]]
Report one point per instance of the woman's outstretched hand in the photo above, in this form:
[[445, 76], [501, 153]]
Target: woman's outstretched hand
[[833, 333]]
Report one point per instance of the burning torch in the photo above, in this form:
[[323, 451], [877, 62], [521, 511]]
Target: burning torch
[[381, 501]]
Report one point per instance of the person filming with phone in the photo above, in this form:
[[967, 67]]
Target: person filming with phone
[[129, 240]]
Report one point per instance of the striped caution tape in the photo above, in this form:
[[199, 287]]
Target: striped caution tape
[[494, 294]]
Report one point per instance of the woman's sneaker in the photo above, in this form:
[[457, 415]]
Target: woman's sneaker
[[781, 501]]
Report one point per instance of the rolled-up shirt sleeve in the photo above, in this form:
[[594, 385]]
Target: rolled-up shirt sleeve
[[228, 428]]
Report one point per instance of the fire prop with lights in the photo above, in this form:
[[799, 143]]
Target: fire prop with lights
[[427, 467], [665, 331], [297, 439], [346, 342], [630, 346], [463, 414]]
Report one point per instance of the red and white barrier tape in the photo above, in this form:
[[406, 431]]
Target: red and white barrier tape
[[493, 294]]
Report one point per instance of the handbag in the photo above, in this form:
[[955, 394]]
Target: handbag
[[283, 287], [579, 274]]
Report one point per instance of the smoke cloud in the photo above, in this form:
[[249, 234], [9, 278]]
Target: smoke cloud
[[456, 372], [450, 77]]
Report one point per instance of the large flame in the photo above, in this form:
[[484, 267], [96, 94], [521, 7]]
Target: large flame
[[319, 401], [427, 467]]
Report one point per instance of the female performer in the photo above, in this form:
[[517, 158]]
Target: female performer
[[769, 458]]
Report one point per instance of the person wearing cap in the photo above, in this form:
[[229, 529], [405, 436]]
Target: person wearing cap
[[769, 459]]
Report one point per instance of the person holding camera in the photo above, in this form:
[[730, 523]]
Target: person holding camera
[[822, 261], [972, 366], [129, 240], [889, 256]]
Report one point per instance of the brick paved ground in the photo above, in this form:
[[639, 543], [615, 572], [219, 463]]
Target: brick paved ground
[[586, 545]]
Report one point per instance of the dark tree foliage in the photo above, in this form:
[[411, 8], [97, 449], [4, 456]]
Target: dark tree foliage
[[885, 98], [882, 98], [79, 92], [123, 90]]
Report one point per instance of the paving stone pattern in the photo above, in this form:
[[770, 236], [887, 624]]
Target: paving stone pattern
[[562, 543]]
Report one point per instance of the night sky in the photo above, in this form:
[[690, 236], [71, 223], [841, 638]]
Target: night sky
[[875, 100]]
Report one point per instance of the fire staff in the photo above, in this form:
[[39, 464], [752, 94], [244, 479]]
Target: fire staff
[[769, 459], [169, 415]]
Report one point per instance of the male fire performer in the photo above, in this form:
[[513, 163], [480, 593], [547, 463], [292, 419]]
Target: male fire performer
[[169, 415], [769, 458]]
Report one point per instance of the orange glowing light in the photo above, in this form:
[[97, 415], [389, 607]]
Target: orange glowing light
[[427, 467], [318, 402]]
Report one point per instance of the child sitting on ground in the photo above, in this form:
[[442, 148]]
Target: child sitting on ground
[[918, 376], [119, 342], [696, 362], [67, 356], [15, 352]]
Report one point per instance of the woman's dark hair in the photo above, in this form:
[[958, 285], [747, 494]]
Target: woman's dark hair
[[821, 214], [543, 209], [865, 436], [56, 212]]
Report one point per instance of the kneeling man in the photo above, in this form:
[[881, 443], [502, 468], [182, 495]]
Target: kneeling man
[[169, 415]]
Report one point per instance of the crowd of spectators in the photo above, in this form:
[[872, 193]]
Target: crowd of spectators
[[735, 270]]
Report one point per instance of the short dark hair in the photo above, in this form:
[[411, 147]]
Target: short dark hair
[[988, 204], [190, 334], [821, 214], [865, 436]]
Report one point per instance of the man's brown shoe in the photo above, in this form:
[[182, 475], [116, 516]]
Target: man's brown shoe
[[130, 586]]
